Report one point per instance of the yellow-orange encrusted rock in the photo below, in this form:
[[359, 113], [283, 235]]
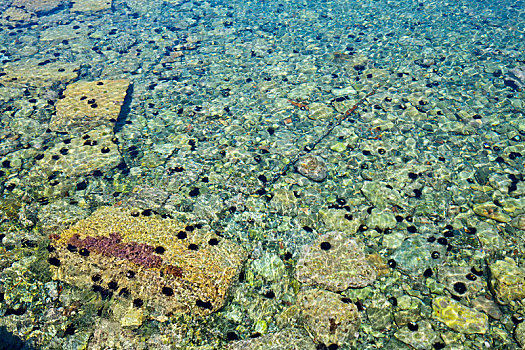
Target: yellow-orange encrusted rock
[[148, 261], [459, 317]]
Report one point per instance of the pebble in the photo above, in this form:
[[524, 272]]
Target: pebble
[[381, 219], [486, 304], [312, 167], [380, 195]]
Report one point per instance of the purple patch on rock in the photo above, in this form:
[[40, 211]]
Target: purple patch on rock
[[112, 246]]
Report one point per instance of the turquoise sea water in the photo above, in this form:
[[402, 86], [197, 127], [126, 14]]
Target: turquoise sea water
[[262, 174]]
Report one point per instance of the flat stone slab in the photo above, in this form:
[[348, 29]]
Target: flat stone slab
[[15, 15], [88, 104], [38, 5], [147, 261], [81, 155], [38, 73], [90, 5]]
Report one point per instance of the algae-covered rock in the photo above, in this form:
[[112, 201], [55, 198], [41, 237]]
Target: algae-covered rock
[[87, 105], [329, 317], [147, 261], [508, 280], [335, 262], [459, 317]]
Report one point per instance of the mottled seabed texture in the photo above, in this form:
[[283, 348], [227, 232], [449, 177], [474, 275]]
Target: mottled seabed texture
[[267, 174]]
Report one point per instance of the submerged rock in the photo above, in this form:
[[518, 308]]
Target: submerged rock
[[312, 167], [519, 222], [88, 104], [335, 262], [491, 211], [508, 280], [459, 317], [419, 335], [90, 5], [380, 195], [38, 6], [32, 73], [289, 339], [329, 317], [147, 261], [515, 78], [416, 254], [519, 333], [95, 150]]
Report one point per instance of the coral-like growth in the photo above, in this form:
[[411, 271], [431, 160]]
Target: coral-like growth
[[138, 253]]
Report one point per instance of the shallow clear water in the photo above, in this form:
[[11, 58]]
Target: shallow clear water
[[262, 174]]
